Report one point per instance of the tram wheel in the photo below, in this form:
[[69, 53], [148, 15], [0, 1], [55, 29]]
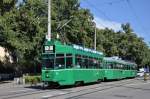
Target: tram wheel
[[79, 83], [99, 81], [53, 85], [44, 85]]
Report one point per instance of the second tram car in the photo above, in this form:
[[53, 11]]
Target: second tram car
[[118, 69]]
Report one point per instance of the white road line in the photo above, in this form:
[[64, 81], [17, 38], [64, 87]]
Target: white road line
[[61, 93], [47, 96]]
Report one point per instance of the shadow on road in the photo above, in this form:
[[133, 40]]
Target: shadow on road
[[58, 87], [3, 82]]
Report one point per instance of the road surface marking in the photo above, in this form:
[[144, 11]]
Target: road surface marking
[[47, 96]]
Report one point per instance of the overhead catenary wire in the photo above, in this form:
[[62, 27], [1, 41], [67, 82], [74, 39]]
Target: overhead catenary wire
[[135, 15], [102, 12], [113, 2]]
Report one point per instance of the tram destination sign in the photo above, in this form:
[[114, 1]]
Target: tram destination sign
[[86, 49], [49, 49]]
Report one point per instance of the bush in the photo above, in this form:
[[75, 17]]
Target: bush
[[32, 79]]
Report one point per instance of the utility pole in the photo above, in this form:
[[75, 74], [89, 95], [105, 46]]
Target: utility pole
[[95, 38], [49, 21]]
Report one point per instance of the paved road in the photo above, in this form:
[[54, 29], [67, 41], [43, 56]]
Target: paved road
[[123, 89]]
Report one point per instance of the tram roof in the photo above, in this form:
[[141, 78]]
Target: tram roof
[[110, 59], [72, 48]]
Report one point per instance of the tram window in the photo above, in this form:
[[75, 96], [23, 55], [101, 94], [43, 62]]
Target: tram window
[[126, 67], [134, 67], [83, 63], [48, 63], [96, 63], [123, 67], [60, 61], [105, 65], [78, 62], [69, 61], [111, 65], [91, 62], [101, 65], [86, 62], [115, 66], [118, 66]]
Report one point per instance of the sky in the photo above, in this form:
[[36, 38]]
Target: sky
[[113, 13]]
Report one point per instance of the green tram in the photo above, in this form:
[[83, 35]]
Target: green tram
[[70, 64], [73, 65], [118, 69]]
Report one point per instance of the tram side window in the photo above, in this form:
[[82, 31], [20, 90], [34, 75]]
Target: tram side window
[[105, 65], [120, 66], [86, 61], [69, 61], [126, 67], [96, 63], [115, 66], [101, 64], [60, 61], [134, 67], [110, 65], [78, 61], [90, 63], [123, 66], [83, 62]]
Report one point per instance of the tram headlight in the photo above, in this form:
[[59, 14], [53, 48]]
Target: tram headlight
[[47, 75]]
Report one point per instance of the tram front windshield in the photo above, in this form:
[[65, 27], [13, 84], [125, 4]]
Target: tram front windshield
[[48, 63]]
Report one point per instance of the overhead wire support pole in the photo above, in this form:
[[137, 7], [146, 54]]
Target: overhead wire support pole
[[95, 38], [49, 21]]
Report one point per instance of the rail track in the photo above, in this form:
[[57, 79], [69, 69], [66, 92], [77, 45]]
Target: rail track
[[77, 94], [74, 93]]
